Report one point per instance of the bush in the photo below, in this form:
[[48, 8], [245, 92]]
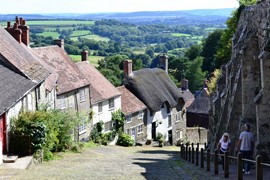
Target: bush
[[125, 140]]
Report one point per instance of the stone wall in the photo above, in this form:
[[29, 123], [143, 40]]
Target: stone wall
[[243, 90]]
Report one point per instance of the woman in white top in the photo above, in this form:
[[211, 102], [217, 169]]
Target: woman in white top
[[224, 145]]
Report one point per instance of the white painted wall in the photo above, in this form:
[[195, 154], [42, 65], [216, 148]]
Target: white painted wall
[[159, 116], [105, 115]]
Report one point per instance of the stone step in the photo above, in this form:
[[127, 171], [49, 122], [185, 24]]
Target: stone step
[[9, 159]]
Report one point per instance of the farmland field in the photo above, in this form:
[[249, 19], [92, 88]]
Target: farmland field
[[93, 59], [180, 35], [92, 36], [55, 35], [80, 33]]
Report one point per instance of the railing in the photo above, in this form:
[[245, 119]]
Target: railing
[[193, 155]]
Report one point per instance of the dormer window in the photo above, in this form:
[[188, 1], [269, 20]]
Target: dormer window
[[82, 95], [140, 115], [111, 103]]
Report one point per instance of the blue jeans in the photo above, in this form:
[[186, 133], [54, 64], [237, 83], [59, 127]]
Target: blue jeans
[[247, 155]]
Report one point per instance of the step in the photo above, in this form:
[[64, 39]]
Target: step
[[9, 159]]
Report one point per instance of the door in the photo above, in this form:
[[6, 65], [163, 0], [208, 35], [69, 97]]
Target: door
[[133, 134], [170, 137], [154, 130], [2, 134]]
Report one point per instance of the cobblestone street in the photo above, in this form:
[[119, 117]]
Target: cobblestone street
[[114, 162]]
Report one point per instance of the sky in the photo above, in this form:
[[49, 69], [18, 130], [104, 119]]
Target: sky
[[95, 6]]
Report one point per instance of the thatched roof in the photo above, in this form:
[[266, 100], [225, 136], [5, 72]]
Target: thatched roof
[[153, 87]]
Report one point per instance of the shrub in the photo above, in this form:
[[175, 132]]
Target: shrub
[[125, 140]]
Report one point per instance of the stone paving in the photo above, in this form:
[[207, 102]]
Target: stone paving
[[114, 162]]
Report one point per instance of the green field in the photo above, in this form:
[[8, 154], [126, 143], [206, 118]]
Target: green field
[[55, 35], [92, 36], [93, 59], [60, 23], [80, 33], [180, 35]]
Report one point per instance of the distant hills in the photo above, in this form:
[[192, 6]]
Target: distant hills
[[200, 16]]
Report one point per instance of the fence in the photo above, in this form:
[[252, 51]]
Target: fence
[[189, 153]]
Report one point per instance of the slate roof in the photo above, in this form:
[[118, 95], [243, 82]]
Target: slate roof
[[14, 55], [129, 102], [201, 104], [153, 87], [13, 86], [70, 78], [100, 88]]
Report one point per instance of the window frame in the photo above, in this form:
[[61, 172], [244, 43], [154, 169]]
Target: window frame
[[100, 107], [140, 115], [111, 104], [82, 95]]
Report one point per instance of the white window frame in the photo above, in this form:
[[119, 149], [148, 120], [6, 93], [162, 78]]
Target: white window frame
[[140, 115], [177, 117], [82, 95], [82, 127], [140, 129], [169, 120], [128, 119], [111, 104], [62, 102], [100, 107]]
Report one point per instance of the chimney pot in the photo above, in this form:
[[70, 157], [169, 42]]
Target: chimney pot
[[163, 62], [15, 26], [127, 67], [60, 43], [184, 84], [84, 55], [21, 21], [17, 20]]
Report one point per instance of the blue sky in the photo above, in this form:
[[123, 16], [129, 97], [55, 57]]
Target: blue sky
[[93, 6]]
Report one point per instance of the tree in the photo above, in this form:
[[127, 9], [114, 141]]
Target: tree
[[195, 75], [193, 52]]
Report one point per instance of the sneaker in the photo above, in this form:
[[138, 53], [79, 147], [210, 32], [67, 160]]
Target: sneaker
[[247, 173]]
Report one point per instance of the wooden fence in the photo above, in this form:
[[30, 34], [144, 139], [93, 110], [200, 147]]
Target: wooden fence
[[196, 156]]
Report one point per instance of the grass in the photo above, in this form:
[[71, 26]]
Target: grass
[[93, 59], [180, 35], [80, 33], [92, 36], [55, 35]]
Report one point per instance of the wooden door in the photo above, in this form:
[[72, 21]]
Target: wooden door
[[2, 133]]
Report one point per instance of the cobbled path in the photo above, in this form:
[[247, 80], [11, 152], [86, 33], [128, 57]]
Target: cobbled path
[[114, 162]]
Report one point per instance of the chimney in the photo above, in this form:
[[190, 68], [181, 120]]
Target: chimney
[[25, 32], [127, 67], [15, 32], [163, 62], [8, 24], [184, 84], [17, 20], [84, 55], [60, 43]]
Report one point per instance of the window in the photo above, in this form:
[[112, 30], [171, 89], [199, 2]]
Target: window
[[38, 93], [111, 103], [140, 129], [128, 118], [179, 134], [82, 95], [82, 127], [100, 107], [29, 102], [169, 120], [177, 117], [107, 126], [128, 131], [140, 115], [62, 102]]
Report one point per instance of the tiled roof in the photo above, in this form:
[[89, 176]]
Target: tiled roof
[[13, 86], [153, 87], [100, 88], [70, 77], [129, 102], [201, 104], [15, 55]]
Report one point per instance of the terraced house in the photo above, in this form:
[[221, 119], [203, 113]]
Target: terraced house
[[163, 99], [73, 91], [25, 83], [104, 97]]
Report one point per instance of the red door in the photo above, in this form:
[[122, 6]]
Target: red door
[[2, 132]]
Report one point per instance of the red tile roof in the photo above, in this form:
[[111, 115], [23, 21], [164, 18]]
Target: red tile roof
[[100, 88], [17, 56], [129, 102], [70, 77]]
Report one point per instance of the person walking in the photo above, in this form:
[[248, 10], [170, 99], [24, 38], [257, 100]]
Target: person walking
[[224, 145], [246, 146]]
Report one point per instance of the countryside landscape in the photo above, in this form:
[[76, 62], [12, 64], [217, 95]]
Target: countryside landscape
[[144, 94]]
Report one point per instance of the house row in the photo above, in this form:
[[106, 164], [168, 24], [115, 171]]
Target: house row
[[33, 77]]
